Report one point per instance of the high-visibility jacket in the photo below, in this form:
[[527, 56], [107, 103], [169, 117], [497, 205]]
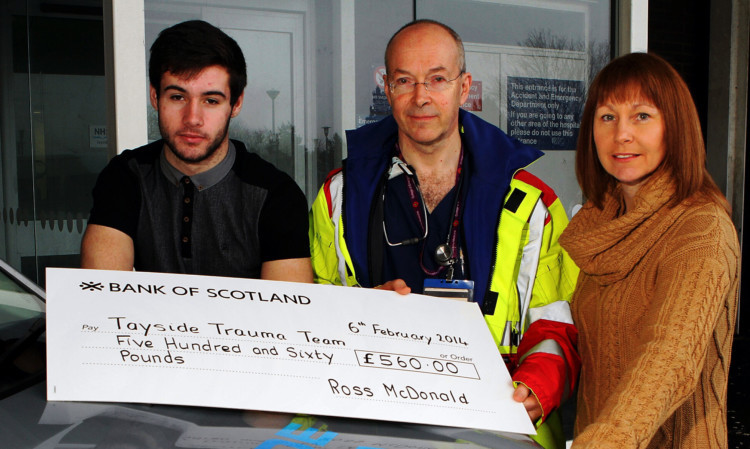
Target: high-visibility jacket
[[511, 222]]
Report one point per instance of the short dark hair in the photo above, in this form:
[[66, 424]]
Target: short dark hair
[[189, 47], [647, 76], [449, 30]]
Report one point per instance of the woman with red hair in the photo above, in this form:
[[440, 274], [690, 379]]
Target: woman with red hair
[[656, 299]]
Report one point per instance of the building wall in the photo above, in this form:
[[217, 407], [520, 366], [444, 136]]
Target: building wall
[[678, 31]]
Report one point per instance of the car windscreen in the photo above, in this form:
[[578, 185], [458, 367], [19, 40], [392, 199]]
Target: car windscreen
[[21, 332]]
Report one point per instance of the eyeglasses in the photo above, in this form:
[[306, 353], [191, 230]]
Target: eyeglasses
[[435, 83]]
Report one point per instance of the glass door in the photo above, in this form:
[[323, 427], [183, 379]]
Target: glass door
[[52, 130]]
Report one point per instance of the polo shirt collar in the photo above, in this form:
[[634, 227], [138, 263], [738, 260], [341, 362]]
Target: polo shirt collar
[[204, 179]]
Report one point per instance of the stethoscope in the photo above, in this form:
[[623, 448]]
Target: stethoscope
[[444, 254]]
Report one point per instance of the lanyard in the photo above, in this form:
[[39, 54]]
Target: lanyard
[[416, 199]]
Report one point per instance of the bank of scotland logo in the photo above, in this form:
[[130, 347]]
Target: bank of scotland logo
[[93, 286]]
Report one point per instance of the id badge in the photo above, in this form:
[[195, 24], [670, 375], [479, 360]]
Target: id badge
[[461, 290]]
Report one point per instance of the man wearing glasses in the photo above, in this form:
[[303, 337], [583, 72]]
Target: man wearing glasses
[[434, 200]]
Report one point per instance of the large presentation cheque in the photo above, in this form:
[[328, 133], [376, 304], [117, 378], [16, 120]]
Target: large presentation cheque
[[277, 346]]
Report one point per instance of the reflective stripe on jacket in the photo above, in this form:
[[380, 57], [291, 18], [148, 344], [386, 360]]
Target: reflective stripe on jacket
[[532, 278]]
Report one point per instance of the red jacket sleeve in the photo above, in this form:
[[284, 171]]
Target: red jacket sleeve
[[549, 362]]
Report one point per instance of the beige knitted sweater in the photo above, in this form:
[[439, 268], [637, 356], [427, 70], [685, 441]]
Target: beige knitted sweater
[[655, 306]]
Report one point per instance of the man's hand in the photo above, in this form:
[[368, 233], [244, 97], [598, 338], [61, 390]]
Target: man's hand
[[397, 285], [533, 407], [290, 270]]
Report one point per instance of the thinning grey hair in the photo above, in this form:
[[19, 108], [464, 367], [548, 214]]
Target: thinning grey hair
[[451, 31]]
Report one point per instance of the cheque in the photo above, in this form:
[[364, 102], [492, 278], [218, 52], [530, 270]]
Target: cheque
[[275, 346]]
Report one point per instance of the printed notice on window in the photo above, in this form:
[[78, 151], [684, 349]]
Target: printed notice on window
[[277, 346], [545, 113]]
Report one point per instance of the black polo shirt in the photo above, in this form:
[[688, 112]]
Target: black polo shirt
[[226, 221]]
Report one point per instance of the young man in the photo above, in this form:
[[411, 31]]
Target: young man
[[434, 193], [196, 201]]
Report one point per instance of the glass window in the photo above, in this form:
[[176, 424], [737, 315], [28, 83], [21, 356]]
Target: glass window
[[315, 70], [287, 112], [52, 130], [531, 64], [302, 56], [375, 24]]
